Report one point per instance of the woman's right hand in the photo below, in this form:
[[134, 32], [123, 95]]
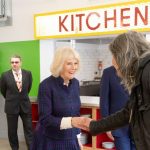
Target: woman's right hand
[[81, 122], [109, 134]]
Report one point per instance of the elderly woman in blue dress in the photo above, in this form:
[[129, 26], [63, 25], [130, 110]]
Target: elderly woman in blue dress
[[59, 104]]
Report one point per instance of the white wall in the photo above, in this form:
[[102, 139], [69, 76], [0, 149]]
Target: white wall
[[90, 54], [47, 48], [24, 10]]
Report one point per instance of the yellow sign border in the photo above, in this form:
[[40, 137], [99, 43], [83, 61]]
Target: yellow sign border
[[93, 33]]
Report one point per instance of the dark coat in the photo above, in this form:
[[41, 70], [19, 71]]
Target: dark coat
[[15, 100], [113, 97], [55, 102], [136, 112]]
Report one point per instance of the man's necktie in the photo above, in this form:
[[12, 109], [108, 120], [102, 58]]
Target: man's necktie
[[19, 82]]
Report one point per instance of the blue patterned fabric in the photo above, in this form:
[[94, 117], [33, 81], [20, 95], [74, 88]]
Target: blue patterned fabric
[[56, 101], [41, 142]]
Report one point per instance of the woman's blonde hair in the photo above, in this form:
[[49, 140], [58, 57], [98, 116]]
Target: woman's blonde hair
[[128, 49], [60, 56]]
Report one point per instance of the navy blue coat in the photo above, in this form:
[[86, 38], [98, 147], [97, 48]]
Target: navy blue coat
[[113, 97], [55, 102]]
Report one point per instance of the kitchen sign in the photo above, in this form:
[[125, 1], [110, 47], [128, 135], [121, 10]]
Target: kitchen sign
[[94, 21]]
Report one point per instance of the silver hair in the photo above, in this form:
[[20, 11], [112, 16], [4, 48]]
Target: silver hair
[[62, 54], [128, 49]]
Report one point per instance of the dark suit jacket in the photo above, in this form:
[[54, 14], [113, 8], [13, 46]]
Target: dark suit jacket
[[113, 97], [16, 100]]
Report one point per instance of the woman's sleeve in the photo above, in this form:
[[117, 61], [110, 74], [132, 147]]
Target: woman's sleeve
[[112, 122], [3, 86], [45, 107]]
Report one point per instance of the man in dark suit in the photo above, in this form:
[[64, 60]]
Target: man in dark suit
[[15, 84]]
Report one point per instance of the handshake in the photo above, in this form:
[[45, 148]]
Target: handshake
[[81, 122]]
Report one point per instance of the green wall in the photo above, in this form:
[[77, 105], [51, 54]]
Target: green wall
[[29, 51]]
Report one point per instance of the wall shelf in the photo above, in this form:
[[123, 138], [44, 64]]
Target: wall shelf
[[94, 142]]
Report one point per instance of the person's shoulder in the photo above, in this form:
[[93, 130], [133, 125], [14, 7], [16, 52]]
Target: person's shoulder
[[75, 80], [146, 69], [110, 69], [47, 80], [26, 71], [6, 72], [147, 66], [48, 83]]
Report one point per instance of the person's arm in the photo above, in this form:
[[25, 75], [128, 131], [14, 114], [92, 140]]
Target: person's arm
[[104, 94], [112, 122], [45, 107], [3, 86], [109, 134], [66, 123], [30, 81]]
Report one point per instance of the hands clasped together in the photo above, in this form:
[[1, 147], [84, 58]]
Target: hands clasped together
[[81, 122]]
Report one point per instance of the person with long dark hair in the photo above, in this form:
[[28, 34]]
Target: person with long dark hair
[[131, 52]]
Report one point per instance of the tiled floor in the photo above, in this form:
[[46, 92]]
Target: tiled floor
[[4, 145]]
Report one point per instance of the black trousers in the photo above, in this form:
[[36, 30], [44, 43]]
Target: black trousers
[[12, 122]]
